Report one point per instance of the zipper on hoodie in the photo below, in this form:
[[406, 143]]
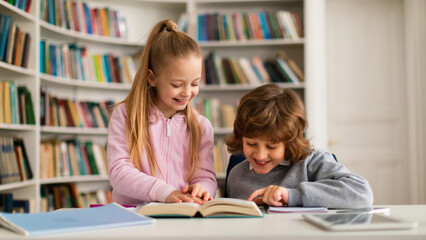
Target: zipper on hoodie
[[168, 128]]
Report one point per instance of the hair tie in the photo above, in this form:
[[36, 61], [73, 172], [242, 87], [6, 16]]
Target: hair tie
[[172, 28]]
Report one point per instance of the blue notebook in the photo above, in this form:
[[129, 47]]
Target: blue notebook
[[72, 220]]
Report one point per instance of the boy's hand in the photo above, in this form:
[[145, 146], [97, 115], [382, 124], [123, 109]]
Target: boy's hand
[[177, 197], [272, 195], [197, 191]]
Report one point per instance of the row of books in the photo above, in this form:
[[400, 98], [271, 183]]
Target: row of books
[[61, 112], [61, 158], [221, 156], [14, 42], [24, 5], [79, 16], [72, 61], [16, 105], [254, 71], [58, 196], [10, 204], [261, 25], [14, 162], [219, 114]]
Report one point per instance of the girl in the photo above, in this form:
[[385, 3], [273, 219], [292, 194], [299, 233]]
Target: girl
[[159, 148], [280, 167]]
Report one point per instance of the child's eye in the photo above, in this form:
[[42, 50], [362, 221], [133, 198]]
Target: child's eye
[[176, 85], [272, 147], [251, 144], [196, 84]]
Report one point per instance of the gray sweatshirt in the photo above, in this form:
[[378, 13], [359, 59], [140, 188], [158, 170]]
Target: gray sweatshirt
[[318, 180]]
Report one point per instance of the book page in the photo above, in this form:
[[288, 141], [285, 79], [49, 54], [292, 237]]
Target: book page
[[169, 209], [230, 207]]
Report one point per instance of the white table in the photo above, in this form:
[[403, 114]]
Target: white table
[[273, 226]]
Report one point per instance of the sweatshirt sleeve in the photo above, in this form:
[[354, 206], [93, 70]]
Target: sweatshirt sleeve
[[124, 177], [206, 176], [330, 185]]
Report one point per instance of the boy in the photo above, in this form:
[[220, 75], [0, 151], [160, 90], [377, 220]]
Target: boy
[[281, 168]]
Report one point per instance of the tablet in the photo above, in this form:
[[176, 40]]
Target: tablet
[[357, 222]]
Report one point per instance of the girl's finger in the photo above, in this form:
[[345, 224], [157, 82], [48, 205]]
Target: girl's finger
[[206, 196], [185, 189]]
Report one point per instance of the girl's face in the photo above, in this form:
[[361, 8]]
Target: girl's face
[[177, 84], [263, 155]]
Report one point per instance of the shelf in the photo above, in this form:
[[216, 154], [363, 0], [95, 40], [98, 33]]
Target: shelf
[[74, 130], [239, 1], [9, 70], [248, 43], [74, 179], [18, 127], [164, 1], [88, 37], [84, 84], [12, 10], [16, 185], [221, 176], [246, 87], [223, 131]]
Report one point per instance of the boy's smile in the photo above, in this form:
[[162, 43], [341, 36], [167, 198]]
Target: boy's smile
[[263, 155]]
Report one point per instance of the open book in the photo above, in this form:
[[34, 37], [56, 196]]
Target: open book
[[219, 207]]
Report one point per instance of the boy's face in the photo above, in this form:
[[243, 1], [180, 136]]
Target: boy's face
[[263, 155], [177, 84]]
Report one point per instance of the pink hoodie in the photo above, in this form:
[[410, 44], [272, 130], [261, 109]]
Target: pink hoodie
[[170, 142]]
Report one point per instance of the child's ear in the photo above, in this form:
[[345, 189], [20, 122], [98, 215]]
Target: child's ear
[[151, 78]]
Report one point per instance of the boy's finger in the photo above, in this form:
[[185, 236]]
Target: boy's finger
[[256, 193], [267, 194]]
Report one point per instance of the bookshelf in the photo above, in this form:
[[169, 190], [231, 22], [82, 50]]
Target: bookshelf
[[147, 12], [306, 51], [237, 47]]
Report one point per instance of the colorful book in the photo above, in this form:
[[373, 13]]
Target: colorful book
[[11, 43], [7, 103], [23, 158], [4, 35], [271, 209], [72, 220], [25, 50]]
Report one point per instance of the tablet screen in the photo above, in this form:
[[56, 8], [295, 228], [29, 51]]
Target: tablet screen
[[357, 221], [366, 218]]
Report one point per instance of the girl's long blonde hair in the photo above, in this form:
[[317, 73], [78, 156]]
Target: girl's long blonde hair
[[164, 44]]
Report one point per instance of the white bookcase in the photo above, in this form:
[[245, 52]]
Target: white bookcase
[[141, 15]]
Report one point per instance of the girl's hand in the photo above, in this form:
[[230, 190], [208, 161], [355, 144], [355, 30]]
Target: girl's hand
[[272, 195], [197, 191], [177, 197]]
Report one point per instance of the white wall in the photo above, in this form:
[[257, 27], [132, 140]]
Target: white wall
[[415, 35], [376, 83]]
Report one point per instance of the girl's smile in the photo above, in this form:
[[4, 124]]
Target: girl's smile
[[176, 84]]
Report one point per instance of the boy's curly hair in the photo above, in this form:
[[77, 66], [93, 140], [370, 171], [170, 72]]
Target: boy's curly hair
[[274, 114]]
